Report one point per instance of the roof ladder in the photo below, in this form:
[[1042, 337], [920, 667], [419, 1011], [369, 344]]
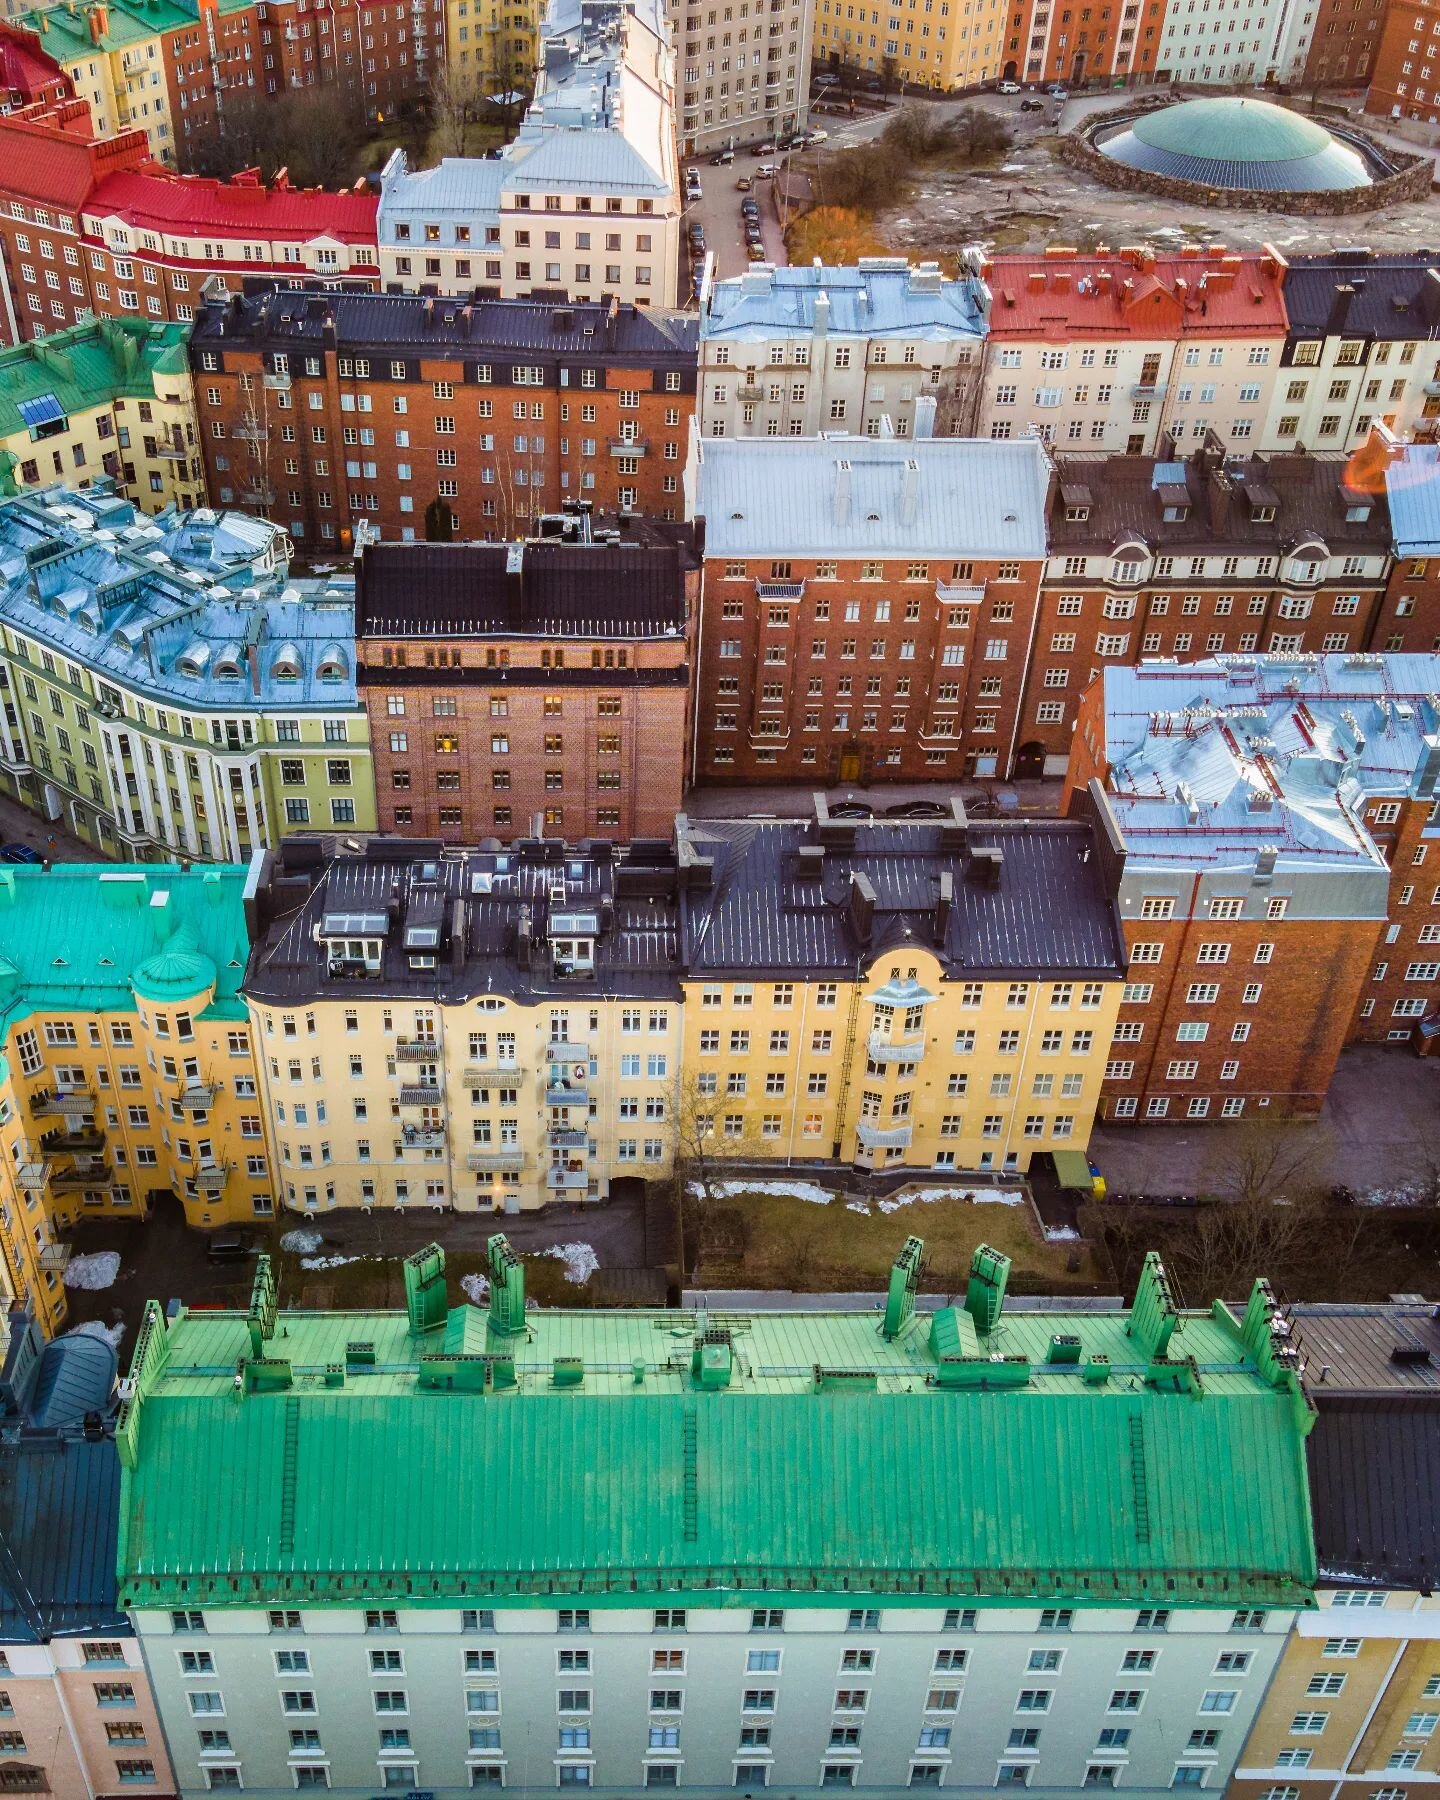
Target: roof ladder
[[692, 1478], [289, 1464], [1138, 1481]]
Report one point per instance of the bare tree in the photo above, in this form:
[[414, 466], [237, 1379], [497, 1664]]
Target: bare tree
[[454, 104], [1263, 1159], [1232, 1241], [711, 1133]]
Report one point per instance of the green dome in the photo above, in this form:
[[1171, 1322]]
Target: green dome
[[1233, 142], [178, 971]]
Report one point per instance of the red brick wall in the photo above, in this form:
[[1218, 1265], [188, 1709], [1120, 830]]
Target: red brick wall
[[1388, 76], [1409, 616], [600, 760], [1413, 853], [1344, 43], [898, 672]]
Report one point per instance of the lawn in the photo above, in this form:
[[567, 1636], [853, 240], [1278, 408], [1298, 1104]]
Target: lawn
[[776, 1240]]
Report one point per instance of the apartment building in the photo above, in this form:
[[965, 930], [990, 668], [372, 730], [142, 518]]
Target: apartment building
[[485, 1030], [129, 1078], [1202, 556], [1114, 350], [817, 1625], [112, 398], [1402, 80], [546, 679], [720, 105], [78, 1716], [1351, 1710], [1289, 797], [1344, 43], [1247, 45], [28, 76], [867, 605], [1116, 44], [86, 228], [116, 55], [1360, 350], [165, 692], [549, 403], [919, 46], [492, 45], [871, 993], [583, 204], [1410, 617], [791, 352]]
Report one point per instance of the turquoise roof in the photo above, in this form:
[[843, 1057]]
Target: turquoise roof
[[530, 1454], [92, 936], [1233, 141]]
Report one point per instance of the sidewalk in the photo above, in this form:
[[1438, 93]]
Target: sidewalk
[[1041, 798], [18, 825]]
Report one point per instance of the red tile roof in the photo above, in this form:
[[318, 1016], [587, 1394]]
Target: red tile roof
[[49, 157], [242, 206], [25, 69], [1061, 296]]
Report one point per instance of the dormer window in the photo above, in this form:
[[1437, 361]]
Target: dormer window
[[1262, 515], [1076, 515], [1126, 569], [285, 665], [1304, 569], [1175, 514]]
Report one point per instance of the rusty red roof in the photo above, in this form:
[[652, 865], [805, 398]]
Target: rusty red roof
[[240, 206], [49, 156], [1064, 296]]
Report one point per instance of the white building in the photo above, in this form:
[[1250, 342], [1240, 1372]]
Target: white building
[[743, 71], [821, 349], [1216, 41], [585, 202]]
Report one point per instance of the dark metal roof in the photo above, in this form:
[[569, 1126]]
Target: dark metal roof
[[543, 588], [1393, 294], [584, 330], [1309, 495], [1363, 1348], [1049, 915], [1375, 1490], [59, 1512]]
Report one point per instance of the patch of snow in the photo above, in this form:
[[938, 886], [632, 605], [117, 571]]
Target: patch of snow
[[112, 1334], [858, 1206], [476, 1288], [1061, 1234], [303, 1243], [1012, 168], [580, 1261], [96, 1271], [979, 1196], [791, 1190], [328, 1262]]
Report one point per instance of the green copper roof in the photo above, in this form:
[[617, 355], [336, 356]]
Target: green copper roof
[[1233, 130], [89, 365], [66, 32], [92, 935], [529, 1454]]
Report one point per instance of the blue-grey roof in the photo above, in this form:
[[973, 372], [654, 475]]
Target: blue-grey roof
[[1210, 760], [1412, 485], [844, 496], [459, 190], [187, 609], [1049, 915], [881, 296], [59, 1511], [1393, 293], [75, 1375]]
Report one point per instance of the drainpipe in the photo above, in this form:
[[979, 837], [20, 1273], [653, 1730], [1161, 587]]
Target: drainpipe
[[799, 1054]]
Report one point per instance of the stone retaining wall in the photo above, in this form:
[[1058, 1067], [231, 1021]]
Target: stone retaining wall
[[1412, 179]]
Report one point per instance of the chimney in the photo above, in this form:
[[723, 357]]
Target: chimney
[[1339, 308], [944, 900], [1265, 863], [909, 491], [861, 909], [842, 492], [524, 942], [822, 313], [925, 408]]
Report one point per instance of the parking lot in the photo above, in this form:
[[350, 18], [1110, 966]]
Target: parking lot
[[718, 212]]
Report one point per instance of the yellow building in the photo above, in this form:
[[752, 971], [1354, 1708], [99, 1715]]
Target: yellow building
[[1352, 1712], [115, 54], [112, 397], [491, 46], [128, 1075], [942, 44], [896, 993], [478, 1031]]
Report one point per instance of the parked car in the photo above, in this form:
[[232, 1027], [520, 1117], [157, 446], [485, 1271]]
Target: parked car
[[228, 1246], [1058, 90], [765, 149], [1008, 87], [743, 183], [766, 172], [722, 159], [19, 853], [817, 137], [756, 252], [1032, 106]]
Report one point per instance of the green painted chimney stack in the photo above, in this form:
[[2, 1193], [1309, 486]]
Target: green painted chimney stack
[[904, 1279], [507, 1287], [426, 1300], [261, 1321], [985, 1294], [1154, 1315]]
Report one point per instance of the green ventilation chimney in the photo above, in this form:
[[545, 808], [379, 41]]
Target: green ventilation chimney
[[261, 1322], [985, 1294], [1154, 1315], [426, 1300], [507, 1287], [905, 1274]]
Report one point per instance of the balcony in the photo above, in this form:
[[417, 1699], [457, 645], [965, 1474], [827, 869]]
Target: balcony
[[882, 1049], [197, 1096], [563, 1050], [629, 447], [512, 1158], [963, 593], [172, 452], [749, 391], [70, 1103], [477, 1074], [779, 590], [567, 1137], [882, 1137], [424, 1093], [210, 1178], [251, 434], [1148, 390], [53, 1258], [82, 1175], [1431, 389], [416, 1050], [32, 1176], [566, 1181], [276, 382], [76, 1143], [567, 1096], [422, 1137]]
